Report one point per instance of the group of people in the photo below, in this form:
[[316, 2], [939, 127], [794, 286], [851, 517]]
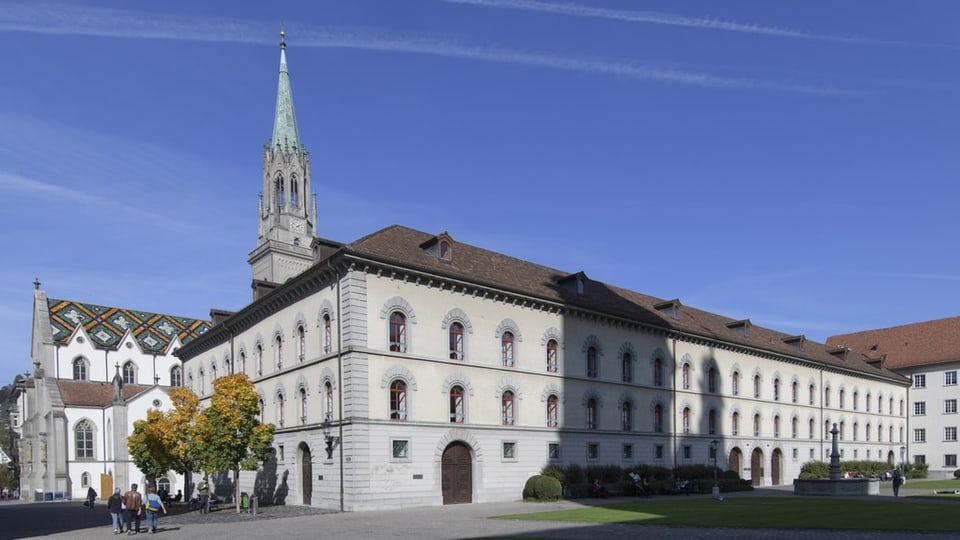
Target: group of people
[[7, 494], [640, 484], [131, 507]]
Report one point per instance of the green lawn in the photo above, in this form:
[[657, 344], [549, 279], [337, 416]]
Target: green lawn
[[927, 484], [761, 512]]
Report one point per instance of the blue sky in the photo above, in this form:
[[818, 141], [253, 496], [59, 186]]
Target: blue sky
[[790, 163]]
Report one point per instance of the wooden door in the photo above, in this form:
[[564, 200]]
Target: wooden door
[[775, 467], [306, 473], [456, 474], [756, 467]]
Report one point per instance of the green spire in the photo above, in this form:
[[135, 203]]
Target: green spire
[[285, 121]]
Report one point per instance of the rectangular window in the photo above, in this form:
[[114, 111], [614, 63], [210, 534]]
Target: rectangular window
[[509, 450], [950, 378], [796, 453], [553, 450], [687, 451], [950, 406], [920, 381], [280, 454], [950, 460], [920, 408], [658, 451], [919, 459], [811, 453], [401, 448], [950, 434], [593, 451], [919, 435], [628, 452]]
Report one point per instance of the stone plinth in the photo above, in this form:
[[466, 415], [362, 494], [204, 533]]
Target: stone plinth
[[845, 487]]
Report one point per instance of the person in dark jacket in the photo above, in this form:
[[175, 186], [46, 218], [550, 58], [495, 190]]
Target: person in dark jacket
[[115, 506], [91, 496]]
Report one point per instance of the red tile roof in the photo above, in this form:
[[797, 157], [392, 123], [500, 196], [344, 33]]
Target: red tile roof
[[93, 393], [403, 247], [911, 345]]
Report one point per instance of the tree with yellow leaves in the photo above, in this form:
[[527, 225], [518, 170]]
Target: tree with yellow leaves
[[228, 433], [164, 441]]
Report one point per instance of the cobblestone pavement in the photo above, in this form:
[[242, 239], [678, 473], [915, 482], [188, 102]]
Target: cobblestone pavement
[[443, 522]]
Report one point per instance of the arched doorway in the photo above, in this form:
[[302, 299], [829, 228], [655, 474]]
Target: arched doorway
[[775, 460], [756, 467], [306, 474], [456, 474], [735, 462], [890, 458]]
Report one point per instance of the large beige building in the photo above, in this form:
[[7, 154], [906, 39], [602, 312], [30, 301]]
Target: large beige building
[[407, 368], [928, 353]]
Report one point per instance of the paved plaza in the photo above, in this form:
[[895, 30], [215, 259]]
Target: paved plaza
[[71, 520]]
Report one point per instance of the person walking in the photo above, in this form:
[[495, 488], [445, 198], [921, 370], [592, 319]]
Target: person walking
[[897, 482], [115, 506], [203, 489], [91, 496], [133, 502], [154, 505]]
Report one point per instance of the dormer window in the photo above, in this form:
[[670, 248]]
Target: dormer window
[[440, 246], [671, 308], [444, 250]]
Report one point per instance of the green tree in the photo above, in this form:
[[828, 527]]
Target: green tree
[[229, 435], [166, 441]]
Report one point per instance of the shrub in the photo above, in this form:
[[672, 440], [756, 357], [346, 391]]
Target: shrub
[[956, 473], [574, 474], [815, 469], [542, 488], [555, 471]]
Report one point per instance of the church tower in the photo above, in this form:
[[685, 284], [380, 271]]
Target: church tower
[[287, 217]]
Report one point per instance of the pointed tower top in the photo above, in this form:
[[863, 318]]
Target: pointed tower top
[[285, 134]]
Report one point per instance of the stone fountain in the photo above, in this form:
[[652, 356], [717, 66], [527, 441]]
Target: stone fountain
[[836, 484]]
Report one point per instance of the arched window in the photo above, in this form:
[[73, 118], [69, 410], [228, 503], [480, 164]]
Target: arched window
[[626, 416], [890, 408], [868, 405], [398, 332], [456, 341], [658, 372], [685, 426], [856, 399], [176, 377], [79, 369], [685, 377], [83, 436], [278, 191], [553, 411], [278, 351], [552, 360], [813, 394], [811, 435], [591, 362], [794, 392], [327, 334], [627, 370], [735, 423], [203, 382], [301, 343], [843, 395], [260, 408], [658, 418], [303, 405], [712, 422], [826, 397], [85, 480], [842, 429], [735, 383], [794, 428], [243, 361], [879, 404], [398, 401], [756, 386], [866, 432], [776, 389], [258, 353], [901, 406], [756, 425], [712, 379], [213, 372], [280, 409], [456, 404], [129, 373], [901, 433], [591, 413], [507, 413], [776, 426], [328, 400], [294, 192], [506, 349], [856, 428]]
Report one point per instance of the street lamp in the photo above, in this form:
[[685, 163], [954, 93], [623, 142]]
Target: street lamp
[[903, 460], [331, 440], [714, 444]]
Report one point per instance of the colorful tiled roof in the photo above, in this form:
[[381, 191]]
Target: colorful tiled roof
[[911, 345], [93, 393], [106, 326]]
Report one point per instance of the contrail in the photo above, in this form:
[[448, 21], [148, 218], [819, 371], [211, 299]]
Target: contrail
[[116, 23], [651, 17]]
